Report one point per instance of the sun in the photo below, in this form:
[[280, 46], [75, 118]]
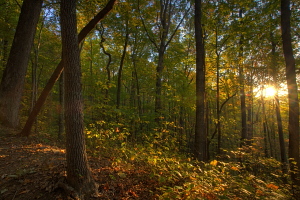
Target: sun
[[269, 91]]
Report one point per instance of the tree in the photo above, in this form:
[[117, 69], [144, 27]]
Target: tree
[[119, 83], [200, 150], [57, 72], [12, 83], [293, 101], [78, 172], [166, 31]]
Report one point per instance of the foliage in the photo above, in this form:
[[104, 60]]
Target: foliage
[[244, 175], [129, 135]]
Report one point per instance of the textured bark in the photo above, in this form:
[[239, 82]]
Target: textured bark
[[78, 172], [61, 127], [200, 151], [292, 89], [12, 83], [57, 72]]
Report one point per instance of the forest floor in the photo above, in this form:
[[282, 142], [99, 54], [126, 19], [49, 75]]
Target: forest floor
[[30, 168]]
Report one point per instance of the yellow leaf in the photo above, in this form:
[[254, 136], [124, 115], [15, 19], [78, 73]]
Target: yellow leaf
[[214, 162], [132, 157], [122, 175]]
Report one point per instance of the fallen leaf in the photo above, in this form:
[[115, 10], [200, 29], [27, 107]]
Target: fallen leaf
[[214, 162], [25, 191], [4, 190]]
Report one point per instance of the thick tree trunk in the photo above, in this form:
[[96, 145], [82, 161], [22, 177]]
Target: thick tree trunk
[[12, 83], [61, 127], [200, 151], [78, 172], [292, 90], [56, 74]]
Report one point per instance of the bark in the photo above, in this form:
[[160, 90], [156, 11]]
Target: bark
[[293, 101], [218, 102], [57, 72], [165, 23], [135, 79], [13, 78], [242, 91], [166, 11], [119, 85], [101, 32], [61, 127], [200, 147], [283, 155], [78, 172], [249, 111]]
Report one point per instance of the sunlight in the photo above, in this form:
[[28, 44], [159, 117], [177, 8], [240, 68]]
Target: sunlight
[[269, 91]]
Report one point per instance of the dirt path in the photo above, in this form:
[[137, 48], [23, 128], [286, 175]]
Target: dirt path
[[30, 170]]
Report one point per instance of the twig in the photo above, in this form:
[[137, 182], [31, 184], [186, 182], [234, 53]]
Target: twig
[[14, 195]]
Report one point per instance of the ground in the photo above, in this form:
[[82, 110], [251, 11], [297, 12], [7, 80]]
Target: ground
[[31, 168]]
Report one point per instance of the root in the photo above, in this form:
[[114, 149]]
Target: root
[[70, 191]]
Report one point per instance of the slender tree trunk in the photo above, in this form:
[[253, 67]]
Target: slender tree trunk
[[56, 74], [200, 148], [78, 172], [249, 111], [283, 155], [12, 82], [242, 90], [101, 32], [159, 70], [165, 8], [292, 90], [119, 85], [218, 104]]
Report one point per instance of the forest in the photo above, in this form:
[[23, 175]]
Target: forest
[[149, 99]]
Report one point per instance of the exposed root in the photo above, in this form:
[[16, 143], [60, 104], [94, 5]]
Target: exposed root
[[70, 191]]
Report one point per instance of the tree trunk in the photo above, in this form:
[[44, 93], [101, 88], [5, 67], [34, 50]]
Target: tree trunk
[[283, 155], [165, 8], [242, 91], [292, 90], [218, 102], [12, 82], [200, 151], [78, 172], [56, 74], [61, 127], [101, 32], [249, 111], [121, 67]]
